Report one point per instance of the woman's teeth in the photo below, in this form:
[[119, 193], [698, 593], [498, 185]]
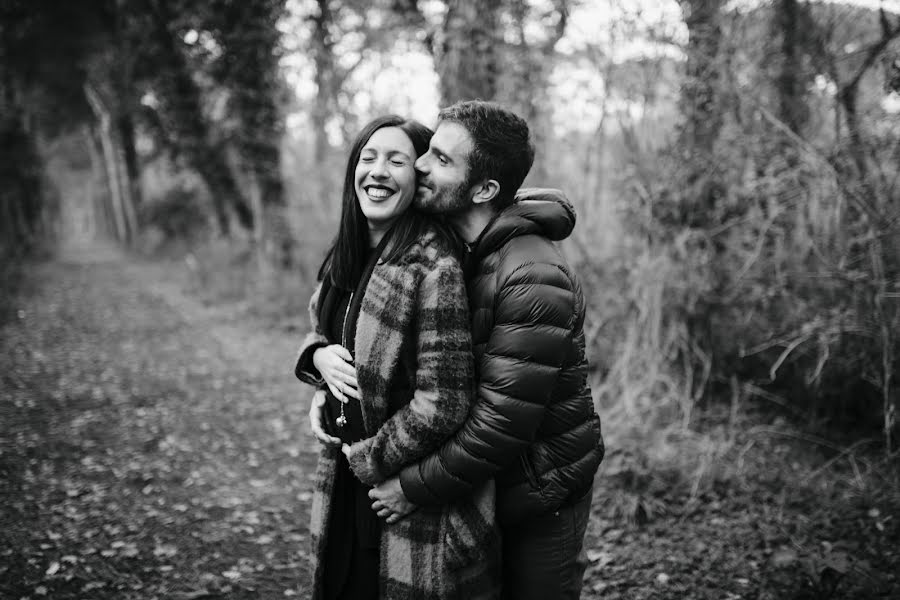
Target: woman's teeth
[[378, 192]]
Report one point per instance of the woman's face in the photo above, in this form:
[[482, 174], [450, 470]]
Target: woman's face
[[385, 177]]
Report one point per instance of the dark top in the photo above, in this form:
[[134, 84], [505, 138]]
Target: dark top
[[353, 430]]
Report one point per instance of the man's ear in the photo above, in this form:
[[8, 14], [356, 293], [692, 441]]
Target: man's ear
[[485, 191]]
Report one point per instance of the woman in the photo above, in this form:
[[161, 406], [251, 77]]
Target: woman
[[390, 351]]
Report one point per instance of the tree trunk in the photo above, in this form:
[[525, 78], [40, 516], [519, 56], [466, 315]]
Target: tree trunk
[[251, 74], [327, 83], [524, 81], [700, 93], [20, 182], [466, 57], [792, 105], [324, 60], [849, 93], [182, 103], [102, 207], [125, 125], [702, 110], [116, 177]]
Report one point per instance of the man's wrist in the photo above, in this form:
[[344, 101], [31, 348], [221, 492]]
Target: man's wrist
[[413, 487]]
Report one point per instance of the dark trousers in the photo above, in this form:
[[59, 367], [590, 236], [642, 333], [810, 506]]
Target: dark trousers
[[543, 557], [351, 560]]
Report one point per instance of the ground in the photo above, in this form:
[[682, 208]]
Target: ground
[[152, 446]]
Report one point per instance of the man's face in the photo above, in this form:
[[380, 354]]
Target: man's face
[[443, 181]]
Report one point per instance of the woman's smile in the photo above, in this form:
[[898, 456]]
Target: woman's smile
[[377, 192]]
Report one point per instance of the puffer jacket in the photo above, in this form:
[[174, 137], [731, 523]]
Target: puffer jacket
[[533, 426]]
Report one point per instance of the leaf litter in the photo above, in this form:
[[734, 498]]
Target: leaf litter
[[153, 447]]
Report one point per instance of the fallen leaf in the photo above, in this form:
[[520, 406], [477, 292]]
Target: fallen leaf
[[53, 569], [195, 595], [93, 585], [601, 557], [784, 557], [165, 550]]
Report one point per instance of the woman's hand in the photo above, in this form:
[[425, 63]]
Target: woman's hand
[[316, 418], [334, 362]]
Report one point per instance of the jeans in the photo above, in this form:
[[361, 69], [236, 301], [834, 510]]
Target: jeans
[[544, 557]]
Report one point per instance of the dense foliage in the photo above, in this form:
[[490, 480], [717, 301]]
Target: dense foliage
[[736, 179]]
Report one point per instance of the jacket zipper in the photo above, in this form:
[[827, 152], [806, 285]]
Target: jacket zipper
[[530, 475]]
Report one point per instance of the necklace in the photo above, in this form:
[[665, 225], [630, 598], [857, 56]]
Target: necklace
[[341, 421]]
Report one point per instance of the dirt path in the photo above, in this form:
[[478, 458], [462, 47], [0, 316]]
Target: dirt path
[[153, 447], [149, 447]]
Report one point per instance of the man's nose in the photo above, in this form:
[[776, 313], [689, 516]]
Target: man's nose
[[420, 165]]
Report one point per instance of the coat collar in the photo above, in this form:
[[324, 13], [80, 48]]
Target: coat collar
[[540, 211]]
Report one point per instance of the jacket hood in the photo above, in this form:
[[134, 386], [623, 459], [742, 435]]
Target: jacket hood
[[540, 211]]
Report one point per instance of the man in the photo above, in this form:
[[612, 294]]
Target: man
[[533, 427]]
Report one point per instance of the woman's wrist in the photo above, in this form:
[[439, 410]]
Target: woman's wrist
[[314, 361]]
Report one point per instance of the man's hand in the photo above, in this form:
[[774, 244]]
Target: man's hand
[[389, 501], [316, 417]]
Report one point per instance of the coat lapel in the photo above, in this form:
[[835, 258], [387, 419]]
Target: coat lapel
[[385, 316]]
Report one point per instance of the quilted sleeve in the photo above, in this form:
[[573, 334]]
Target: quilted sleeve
[[536, 314]]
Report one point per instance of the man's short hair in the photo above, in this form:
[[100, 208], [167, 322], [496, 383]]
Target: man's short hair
[[502, 146]]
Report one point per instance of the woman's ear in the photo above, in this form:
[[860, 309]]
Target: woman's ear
[[485, 191]]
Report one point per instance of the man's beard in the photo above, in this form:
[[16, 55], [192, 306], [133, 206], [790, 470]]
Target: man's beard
[[447, 201]]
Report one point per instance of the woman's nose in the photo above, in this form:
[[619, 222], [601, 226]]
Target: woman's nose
[[379, 169]]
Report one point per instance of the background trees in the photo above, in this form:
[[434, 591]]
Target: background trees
[[734, 165]]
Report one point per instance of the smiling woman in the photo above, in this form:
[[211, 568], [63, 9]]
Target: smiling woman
[[385, 179], [390, 355]]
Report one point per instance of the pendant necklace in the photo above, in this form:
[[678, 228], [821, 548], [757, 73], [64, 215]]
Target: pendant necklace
[[341, 421]]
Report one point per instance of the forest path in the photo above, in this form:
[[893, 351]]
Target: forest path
[[150, 447]]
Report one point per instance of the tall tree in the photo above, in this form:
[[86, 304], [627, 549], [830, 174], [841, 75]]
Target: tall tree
[[248, 70], [701, 104], [524, 83], [848, 91], [790, 21], [326, 74], [466, 51], [39, 80], [701, 97], [181, 106]]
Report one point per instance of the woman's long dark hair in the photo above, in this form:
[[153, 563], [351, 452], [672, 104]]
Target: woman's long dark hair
[[346, 258]]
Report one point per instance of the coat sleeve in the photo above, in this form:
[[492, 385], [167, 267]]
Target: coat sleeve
[[536, 314], [315, 339], [444, 377]]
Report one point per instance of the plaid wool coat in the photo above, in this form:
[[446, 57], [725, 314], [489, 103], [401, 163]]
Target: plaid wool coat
[[413, 310]]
